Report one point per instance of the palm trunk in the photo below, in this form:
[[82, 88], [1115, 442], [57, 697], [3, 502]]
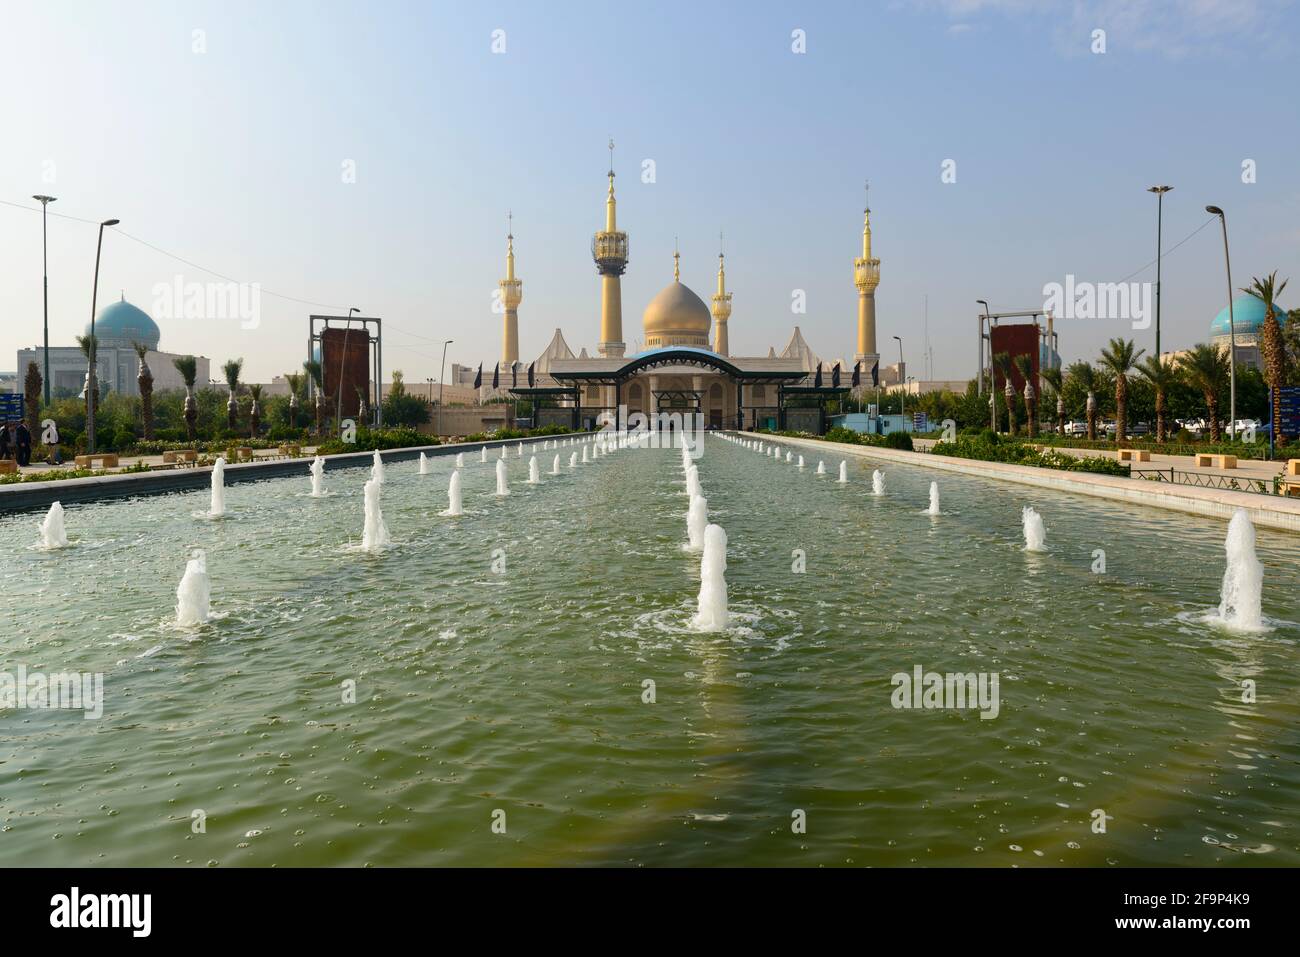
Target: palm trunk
[[1160, 416], [1031, 408], [191, 413], [1274, 354], [1092, 417], [1212, 403], [145, 383], [1121, 409]]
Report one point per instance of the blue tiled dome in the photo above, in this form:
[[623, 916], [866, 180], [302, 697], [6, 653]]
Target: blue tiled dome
[[121, 324], [1247, 316]]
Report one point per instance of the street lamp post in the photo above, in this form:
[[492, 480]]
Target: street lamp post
[[442, 369], [979, 321], [92, 383], [1232, 327], [45, 271], [1160, 206], [901, 383]]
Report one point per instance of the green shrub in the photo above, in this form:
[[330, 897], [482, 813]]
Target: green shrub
[[368, 440], [1022, 453], [898, 440]]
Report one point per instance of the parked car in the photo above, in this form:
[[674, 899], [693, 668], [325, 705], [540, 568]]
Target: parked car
[[1076, 428]]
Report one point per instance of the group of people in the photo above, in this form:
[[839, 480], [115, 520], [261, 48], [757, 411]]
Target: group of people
[[16, 443]]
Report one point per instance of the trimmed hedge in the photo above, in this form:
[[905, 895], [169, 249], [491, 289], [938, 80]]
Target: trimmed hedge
[[1021, 453]]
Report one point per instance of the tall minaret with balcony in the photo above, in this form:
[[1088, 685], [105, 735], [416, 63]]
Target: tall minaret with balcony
[[609, 250], [512, 294], [721, 310], [866, 276]]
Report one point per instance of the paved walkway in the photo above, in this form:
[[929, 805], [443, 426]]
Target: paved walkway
[[1247, 469], [154, 461]]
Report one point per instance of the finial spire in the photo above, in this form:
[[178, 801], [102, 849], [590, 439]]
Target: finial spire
[[677, 271], [610, 214], [866, 187], [510, 247]]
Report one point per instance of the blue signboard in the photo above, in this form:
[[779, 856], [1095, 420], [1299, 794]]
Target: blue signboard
[[1289, 407], [11, 406]]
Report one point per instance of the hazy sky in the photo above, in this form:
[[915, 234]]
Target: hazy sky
[[233, 158]]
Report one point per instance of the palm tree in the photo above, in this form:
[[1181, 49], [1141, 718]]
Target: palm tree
[[90, 349], [1025, 366], [1206, 369], [1056, 381], [1119, 358], [295, 386], [1271, 346], [1162, 376], [231, 371], [313, 369], [1089, 380], [1002, 362], [255, 413], [188, 368], [144, 380]]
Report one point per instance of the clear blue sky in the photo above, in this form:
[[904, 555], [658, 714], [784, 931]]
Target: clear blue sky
[[232, 159]]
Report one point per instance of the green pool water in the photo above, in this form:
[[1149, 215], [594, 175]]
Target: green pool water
[[517, 698]]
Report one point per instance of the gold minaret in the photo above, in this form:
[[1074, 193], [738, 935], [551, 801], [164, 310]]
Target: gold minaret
[[609, 250], [866, 276], [512, 294], [721, 308]]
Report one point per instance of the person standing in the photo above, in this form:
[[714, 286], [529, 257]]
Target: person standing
[[4, 440], [23, 444]]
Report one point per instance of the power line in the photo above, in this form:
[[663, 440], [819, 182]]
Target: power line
[[1212, 219]]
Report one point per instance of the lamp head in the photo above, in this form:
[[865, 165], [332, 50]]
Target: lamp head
[[1214, 210], [110, 222]]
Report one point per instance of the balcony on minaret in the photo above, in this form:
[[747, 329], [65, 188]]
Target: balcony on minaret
[[512, 292], [722, 306], [866, 274], [609, 250]]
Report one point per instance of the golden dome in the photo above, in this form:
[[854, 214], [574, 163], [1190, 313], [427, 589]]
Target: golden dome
[[676, 317]]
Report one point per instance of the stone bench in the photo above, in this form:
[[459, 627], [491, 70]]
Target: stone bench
[[108, 460], [1293, 468], [180, 455], [244, 454], [291, 450], [1208, 460], [1134, 455], [8, 466]]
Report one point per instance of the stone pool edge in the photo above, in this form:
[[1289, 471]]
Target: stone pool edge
[[25, 496], [1281, 513]]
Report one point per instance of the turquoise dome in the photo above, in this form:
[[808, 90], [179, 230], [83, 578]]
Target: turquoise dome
[[121, 324], [1247, 316]]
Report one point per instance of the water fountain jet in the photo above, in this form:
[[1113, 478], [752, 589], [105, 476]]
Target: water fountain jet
[[318, 477], [218, 506], [52, 532], [454, 505], [374, 536], [193, 594], [1240, 599], [1035, 533], [711, 612], [934, 499]]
